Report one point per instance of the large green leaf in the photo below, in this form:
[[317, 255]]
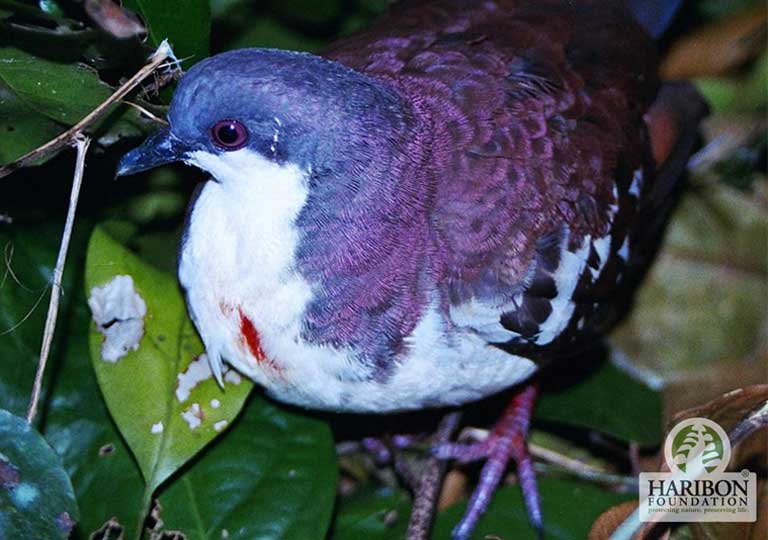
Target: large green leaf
[[63, 92], [607, 400], [568, 507], [164, 425], [186, 24], [272, 476], [73, 415], [36, 497]]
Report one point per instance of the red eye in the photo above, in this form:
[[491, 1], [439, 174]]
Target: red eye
[[229, 134]]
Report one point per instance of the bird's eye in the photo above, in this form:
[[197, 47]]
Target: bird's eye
[[229, 134]]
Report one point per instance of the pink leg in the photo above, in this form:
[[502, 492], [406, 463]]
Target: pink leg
[[507, 440]]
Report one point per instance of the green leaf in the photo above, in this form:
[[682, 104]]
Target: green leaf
[[374, 515], [186, 24], [21, 128], [163, 424], [272, 476], [76, 422], [607, 400], [569, 509], [36, 496], [63, 92]]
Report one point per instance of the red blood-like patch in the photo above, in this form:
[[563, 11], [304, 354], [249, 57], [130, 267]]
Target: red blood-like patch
[[251, 337]]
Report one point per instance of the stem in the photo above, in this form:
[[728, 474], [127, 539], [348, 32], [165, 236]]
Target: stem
[[162, 54], [425, 497], [82, 143]]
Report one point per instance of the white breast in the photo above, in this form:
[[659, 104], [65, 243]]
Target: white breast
[[238, 257]]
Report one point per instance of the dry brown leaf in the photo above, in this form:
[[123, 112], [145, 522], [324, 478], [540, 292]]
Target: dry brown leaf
[[719, 47], [114, 19], [609, 520], [454, 489]]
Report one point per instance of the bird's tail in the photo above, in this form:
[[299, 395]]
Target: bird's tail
[[654, 15]]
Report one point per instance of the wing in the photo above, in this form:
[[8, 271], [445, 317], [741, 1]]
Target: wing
[[540, 155]]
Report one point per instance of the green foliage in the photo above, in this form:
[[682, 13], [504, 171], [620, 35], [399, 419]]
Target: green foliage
[[186, 24], [36, 497], [568, 507], [609, 401], [272, 476], [380, 514]]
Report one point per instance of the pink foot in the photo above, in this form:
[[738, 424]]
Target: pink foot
[[507, 440]]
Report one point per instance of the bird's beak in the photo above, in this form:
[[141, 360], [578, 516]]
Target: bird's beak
[[159, 148]]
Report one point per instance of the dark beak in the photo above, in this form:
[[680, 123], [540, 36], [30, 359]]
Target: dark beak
[[159, 148]]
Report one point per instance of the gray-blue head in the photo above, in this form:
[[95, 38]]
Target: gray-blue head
[[285, 106]]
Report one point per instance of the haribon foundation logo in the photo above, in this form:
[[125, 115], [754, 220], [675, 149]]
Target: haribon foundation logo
[[698, 488]]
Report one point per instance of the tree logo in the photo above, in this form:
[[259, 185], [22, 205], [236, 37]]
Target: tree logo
[[697, 446]]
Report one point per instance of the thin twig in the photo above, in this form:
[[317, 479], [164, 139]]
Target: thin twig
[[82, 143], [162, 53], [147, 113], [425, 498]]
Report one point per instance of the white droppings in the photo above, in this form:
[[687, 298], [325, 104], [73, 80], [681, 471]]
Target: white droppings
[[215, 403], [624, 250], [221, 424], [233, 377], [637, 180], [193, 416], [157, 428], [118, 311], [197, 371]]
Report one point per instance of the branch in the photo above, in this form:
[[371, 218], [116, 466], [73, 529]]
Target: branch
[[67, 138], [82, 143], [425, 497]]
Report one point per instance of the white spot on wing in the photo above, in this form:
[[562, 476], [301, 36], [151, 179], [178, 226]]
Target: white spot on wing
[[624, 250], [118, 311], [566, 278], [637, 182], [602, 246]]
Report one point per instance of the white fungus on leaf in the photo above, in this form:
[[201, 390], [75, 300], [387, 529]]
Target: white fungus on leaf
[[197, 371], [193, 416], [118, 312], [232, 376]]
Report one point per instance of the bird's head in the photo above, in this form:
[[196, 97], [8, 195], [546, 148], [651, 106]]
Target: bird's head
[[247, 107]]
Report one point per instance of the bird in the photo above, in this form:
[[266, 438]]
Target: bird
[[430, 210]]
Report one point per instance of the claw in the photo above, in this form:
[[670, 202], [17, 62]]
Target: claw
[[214, 360], [508, 440]]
